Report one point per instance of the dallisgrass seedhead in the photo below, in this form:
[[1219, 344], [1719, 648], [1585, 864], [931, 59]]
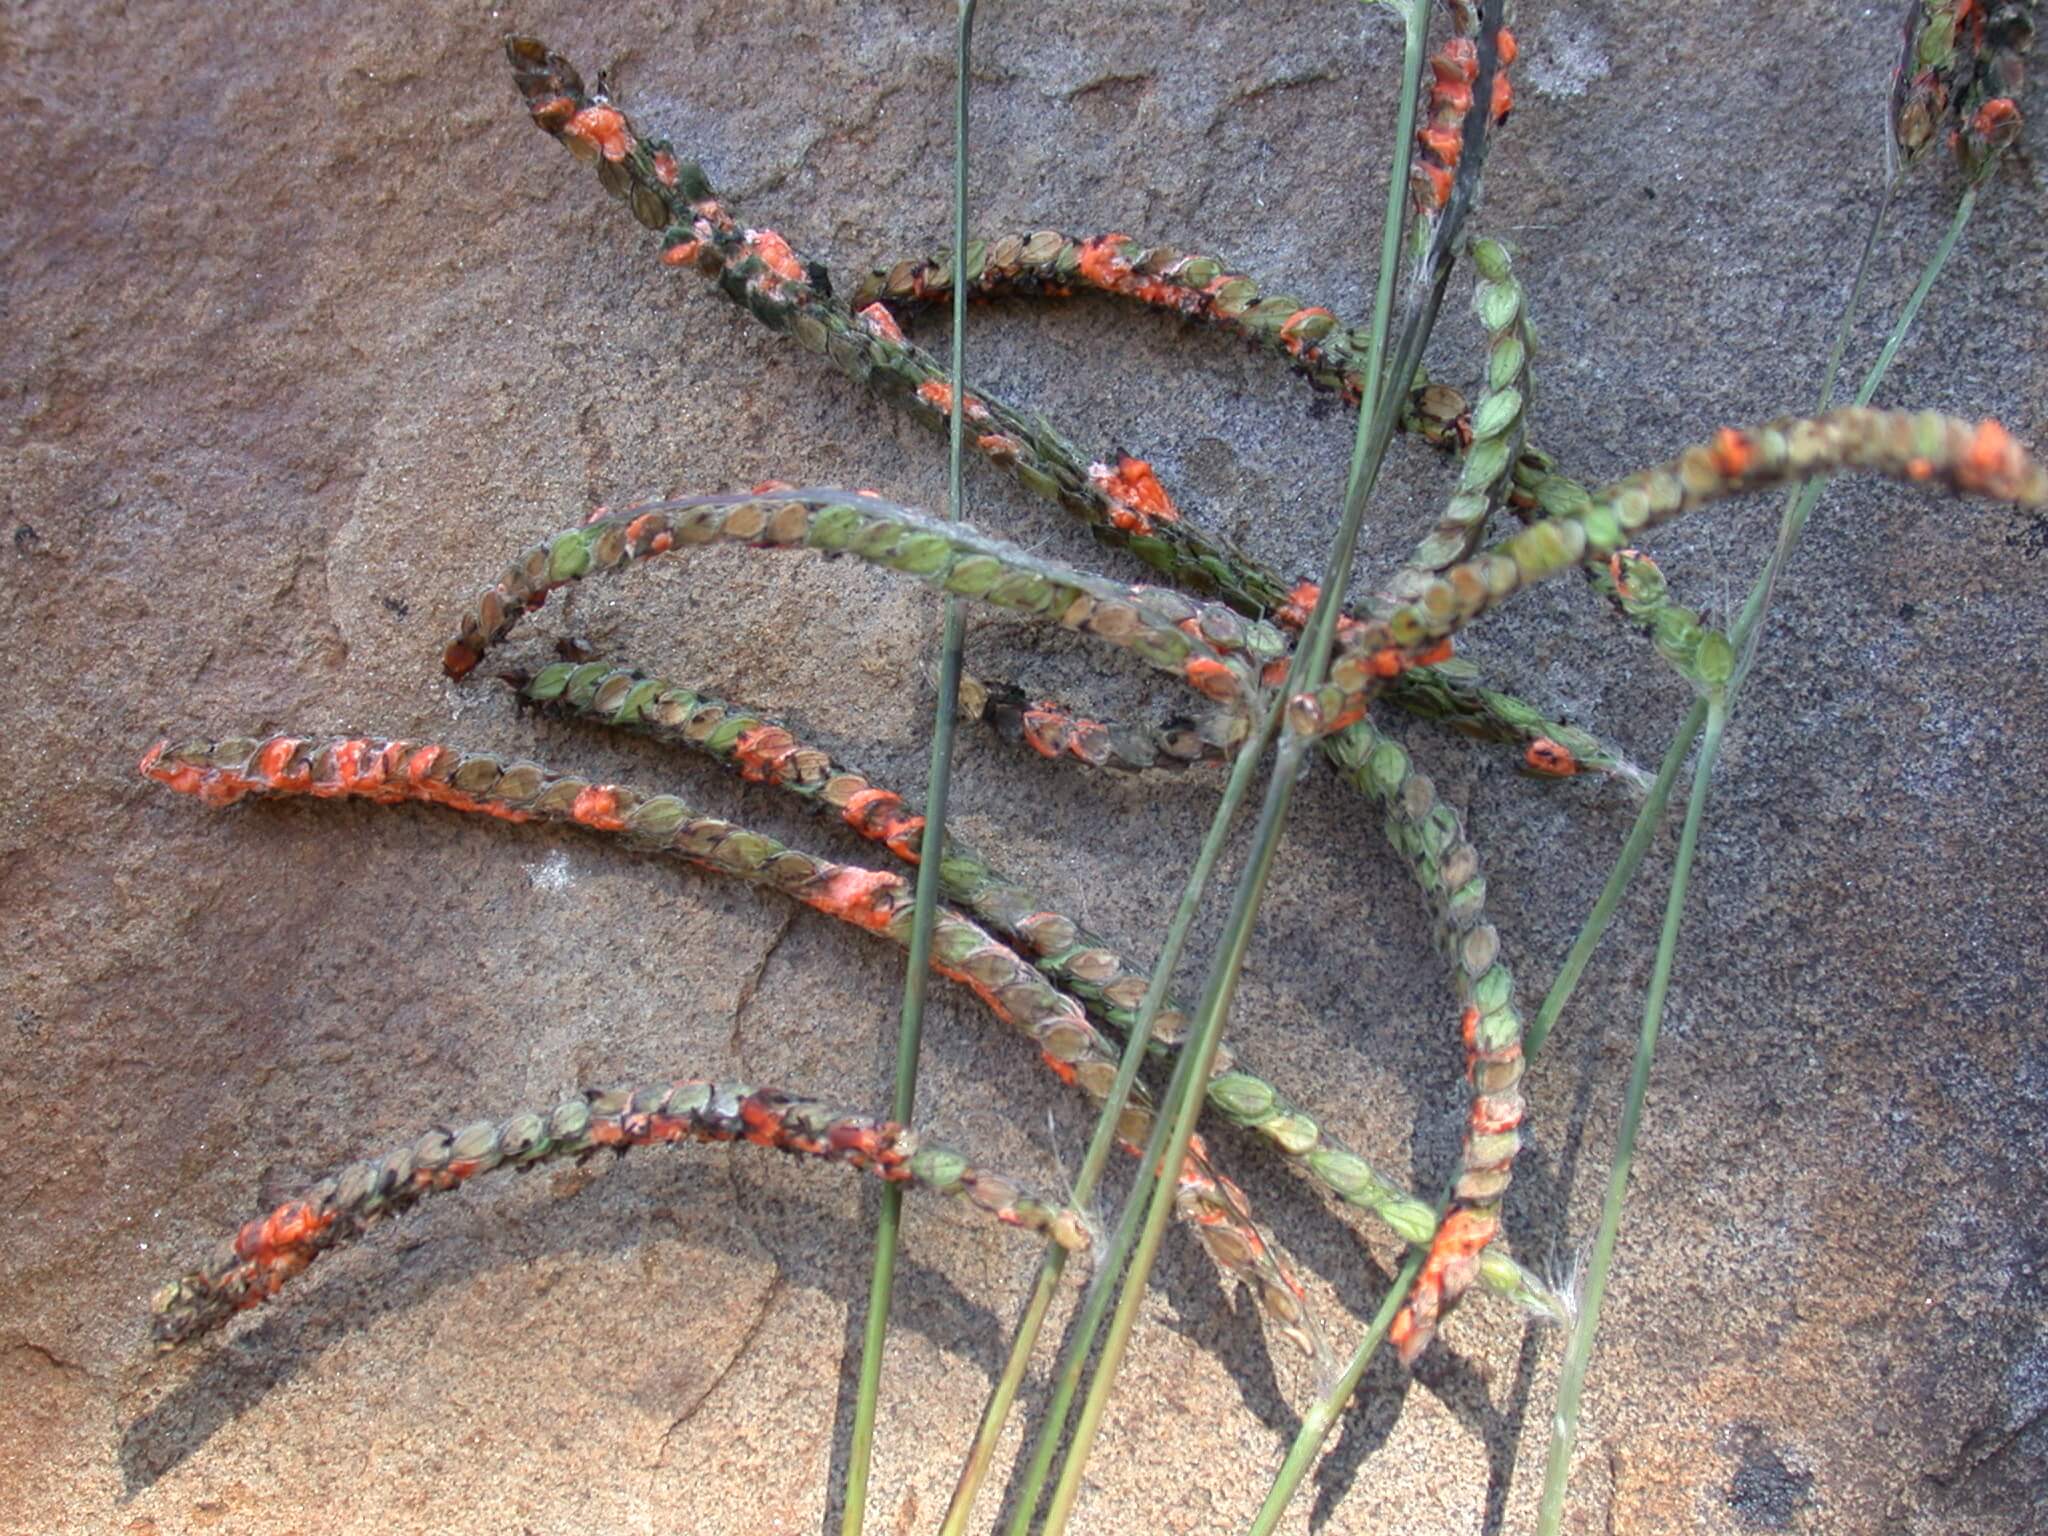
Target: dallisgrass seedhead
[[1246, 652], [1493, 432], [1454, 74], [394, 772], [257, 1262], [1960, 78], [1429, 834], [1051, 265]]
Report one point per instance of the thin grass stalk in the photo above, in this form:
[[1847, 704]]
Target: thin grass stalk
[[910, 1034], [1375, 430], [1578, 1353], [1619, 878], [1414, 47], [1432, 274], [1111, 1259], [1322, 1414], [1710, 712], [996, 1412], [1102, 1289], [1193, 1067], [1798, 506]]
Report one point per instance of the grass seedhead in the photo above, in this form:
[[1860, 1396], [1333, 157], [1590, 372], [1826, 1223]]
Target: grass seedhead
[[1262, 671]]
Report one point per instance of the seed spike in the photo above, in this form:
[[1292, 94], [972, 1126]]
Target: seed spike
[[1054, 731], [1051, 265], [1429, 834], [1446, 129], [875, 901], [1080, 962], [269, 1251], [1959, 77], [760, 273], [1204, 645], [758, 270], [1923, 448], [1497, 427]]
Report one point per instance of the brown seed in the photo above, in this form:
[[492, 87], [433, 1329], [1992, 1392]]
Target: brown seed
[[746, 520]]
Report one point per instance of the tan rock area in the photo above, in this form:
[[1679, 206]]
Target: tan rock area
[[304, 329]]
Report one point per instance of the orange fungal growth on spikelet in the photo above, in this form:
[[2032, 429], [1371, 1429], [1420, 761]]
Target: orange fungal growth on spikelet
[[775, 254], [554, 113], [876, 318], [1734, 453], [1440, 139], [1137, 500], [599, 130], [762, 752], [1102, 260], [1998, 121]]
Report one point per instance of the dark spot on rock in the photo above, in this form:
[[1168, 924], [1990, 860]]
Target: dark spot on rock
[[1766, 1493], [1320, 407], [1908, 612], [26, 539], [1650, 193], [395, 606], [1118, 92]]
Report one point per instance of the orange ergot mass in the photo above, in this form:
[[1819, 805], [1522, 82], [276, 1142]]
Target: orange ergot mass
[[1138, 501], [599, 130]]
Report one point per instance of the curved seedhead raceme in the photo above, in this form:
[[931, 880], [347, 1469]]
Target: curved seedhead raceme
[[875, 901], [760, 272], [1922, 448], [1220, 655], [1222, 625], [1108, 985], [268, 1251]]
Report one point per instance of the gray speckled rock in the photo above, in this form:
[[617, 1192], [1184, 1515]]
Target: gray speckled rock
[[306, 328]]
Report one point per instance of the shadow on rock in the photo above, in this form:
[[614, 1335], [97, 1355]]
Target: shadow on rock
[[194, 1391]]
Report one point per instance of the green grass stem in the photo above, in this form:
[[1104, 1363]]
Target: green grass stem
[[1323, 1414], [1110, 1261], [1197, 1060], [1648, 818], [1710, 712], [1578, 1352], [1375, 431], [1799, 505], [910, 1031]]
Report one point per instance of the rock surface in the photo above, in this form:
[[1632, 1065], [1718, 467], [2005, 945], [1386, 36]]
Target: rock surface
[[306, 329]]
